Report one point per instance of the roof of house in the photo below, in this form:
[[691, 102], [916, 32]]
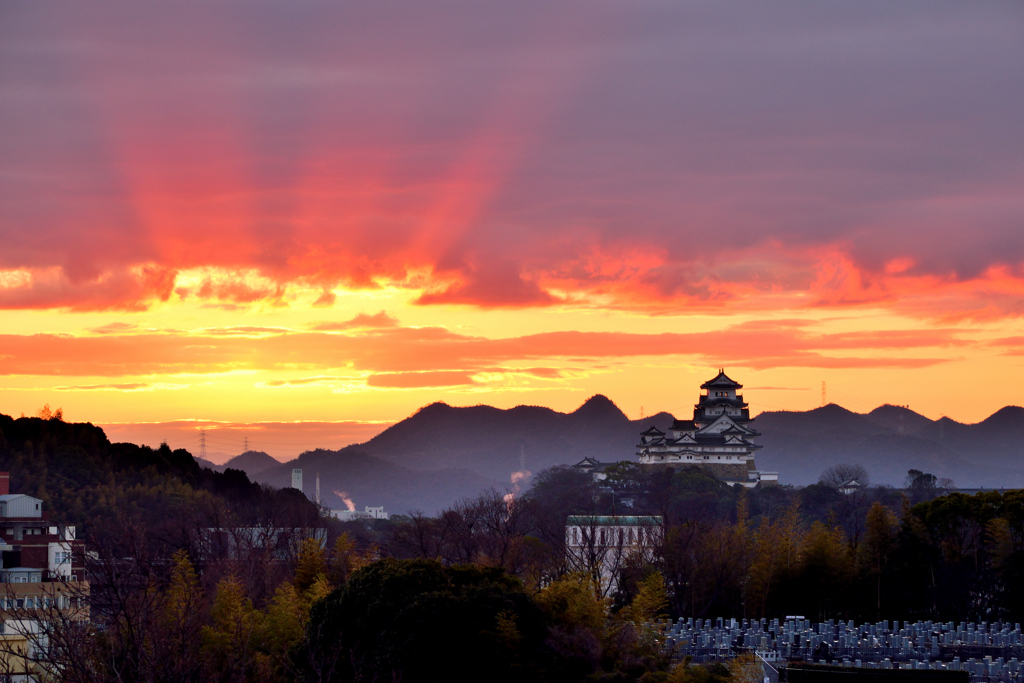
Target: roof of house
[[13, 496]]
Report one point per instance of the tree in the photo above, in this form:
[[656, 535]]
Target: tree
[[417, 620], [843, 473], [229, 640], [879, 541], [310, 564], [921, 486], [45, 413]]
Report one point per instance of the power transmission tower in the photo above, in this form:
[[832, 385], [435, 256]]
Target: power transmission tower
[[245, 446], [824, 395], [641, 412], [202, 444]]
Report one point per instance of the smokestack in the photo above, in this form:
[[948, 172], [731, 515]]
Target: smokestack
[[317, 488], [5, 483]]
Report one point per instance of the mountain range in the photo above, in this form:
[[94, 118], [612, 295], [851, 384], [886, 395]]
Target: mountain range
[[443, 453]]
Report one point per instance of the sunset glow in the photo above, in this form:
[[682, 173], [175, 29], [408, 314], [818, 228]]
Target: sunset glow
[[234, 215]]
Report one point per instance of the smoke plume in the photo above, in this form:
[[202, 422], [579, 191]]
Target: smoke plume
[[345, 499]]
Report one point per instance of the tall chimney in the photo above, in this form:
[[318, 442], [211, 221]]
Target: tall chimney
[[5, 483]]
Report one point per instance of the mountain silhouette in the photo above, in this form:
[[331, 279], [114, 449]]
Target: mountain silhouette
[[491, 441], [251, 462], [443, 453], [890, 440]]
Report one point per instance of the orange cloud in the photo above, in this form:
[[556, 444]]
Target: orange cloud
[[410, 380], [432, 349], [362, 320]]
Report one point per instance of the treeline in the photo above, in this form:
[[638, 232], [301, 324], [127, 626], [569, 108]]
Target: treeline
[[824, 551]]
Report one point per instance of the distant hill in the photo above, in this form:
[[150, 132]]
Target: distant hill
[[490, 440], [890, 440], [443, 453], [250, 462]]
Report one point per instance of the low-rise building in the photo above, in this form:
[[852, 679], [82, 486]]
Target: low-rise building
[[367, 513], [604, 545]]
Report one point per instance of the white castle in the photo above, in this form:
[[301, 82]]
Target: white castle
[[718, 438]]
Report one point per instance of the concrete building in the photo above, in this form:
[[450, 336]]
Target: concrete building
[[718, 438], [603, 545], [297, 479]]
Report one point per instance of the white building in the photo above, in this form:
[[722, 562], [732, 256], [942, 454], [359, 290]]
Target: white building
[[297, 479], [353, 515], [603, 545], [718, 438]]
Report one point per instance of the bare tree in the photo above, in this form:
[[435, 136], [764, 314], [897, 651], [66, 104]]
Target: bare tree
[[844, 473]]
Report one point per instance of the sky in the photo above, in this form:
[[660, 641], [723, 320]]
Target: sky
[[297, 223]]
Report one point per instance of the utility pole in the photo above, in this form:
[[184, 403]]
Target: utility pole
[[824, 394], [202, 444]]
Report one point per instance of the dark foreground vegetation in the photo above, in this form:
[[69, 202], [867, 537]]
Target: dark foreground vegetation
[[203, 576]]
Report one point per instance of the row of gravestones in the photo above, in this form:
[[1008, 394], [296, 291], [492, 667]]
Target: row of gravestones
[[798, 638]]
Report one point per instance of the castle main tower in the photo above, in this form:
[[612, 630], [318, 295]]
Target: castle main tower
[[718, 438]]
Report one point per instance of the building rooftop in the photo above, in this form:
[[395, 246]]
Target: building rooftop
[[610, 520]]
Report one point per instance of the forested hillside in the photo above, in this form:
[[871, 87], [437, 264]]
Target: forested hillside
[[85, 480]]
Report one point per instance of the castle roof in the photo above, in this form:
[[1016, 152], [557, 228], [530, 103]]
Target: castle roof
[[721, 380]]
